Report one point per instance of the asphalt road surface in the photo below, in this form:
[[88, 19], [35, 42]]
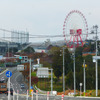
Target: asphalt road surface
[[44, 97], [15, 81]]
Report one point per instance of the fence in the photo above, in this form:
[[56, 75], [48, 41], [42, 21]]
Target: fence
[[35, 96]]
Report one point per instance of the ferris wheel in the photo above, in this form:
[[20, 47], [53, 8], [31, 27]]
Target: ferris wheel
[[75, 29]]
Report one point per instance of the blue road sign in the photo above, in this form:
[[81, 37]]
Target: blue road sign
[[31, 87], [8, 73]]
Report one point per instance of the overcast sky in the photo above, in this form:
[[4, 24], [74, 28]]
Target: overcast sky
[[45, 17]]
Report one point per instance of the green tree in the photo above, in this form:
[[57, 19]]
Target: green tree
[[68, 62], [57, 64], [69, 80], [28, 50], [90, 72], [53, 50], [78, 51]]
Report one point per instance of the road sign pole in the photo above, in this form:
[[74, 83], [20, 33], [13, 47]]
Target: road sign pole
[[9, 89], [13, 95], [8, 74]]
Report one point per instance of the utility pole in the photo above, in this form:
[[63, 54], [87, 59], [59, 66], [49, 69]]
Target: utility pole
[[72, 50], [96, 27], [8, 49], [30, 76], [63, 71], [96, 61], [51, 80], [74, 72]]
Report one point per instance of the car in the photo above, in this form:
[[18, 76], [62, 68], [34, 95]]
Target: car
[[22, 86], [11, 91], [2, 79]]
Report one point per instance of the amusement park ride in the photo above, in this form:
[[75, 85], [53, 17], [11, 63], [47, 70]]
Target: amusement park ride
[[75, 29]]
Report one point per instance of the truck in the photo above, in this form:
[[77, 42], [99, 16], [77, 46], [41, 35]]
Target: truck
[[3, 88]]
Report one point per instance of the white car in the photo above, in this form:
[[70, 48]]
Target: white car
[[2, 79]]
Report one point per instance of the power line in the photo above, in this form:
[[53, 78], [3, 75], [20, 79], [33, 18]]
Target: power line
[[40, 36]]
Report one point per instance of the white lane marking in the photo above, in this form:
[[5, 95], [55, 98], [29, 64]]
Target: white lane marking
[[3, 71]]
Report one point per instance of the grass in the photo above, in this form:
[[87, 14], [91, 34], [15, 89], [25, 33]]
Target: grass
[[45, 84]]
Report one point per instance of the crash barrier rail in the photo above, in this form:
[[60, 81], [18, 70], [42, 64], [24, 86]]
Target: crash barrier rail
[[40, 91]]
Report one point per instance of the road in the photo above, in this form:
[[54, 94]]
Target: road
[[17, 79], [44, 97]]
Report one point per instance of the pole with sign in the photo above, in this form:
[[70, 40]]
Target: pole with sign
[[9, 74]]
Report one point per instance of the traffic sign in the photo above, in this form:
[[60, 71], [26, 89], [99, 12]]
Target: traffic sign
[[31, 87], [43, 72], [8, 73], [20, 67], [96, 57]]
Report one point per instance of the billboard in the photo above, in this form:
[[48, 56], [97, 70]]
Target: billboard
[[20, 67], [42, 72]]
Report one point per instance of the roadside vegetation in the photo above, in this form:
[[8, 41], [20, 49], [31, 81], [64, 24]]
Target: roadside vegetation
[[54, 59]]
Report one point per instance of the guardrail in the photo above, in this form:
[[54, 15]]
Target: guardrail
[[40, 91], [37, 96]]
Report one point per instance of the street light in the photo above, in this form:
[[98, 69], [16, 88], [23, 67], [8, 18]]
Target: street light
[[80, 88], [72, 50], [63, 69], [96, 64], [30, 75], [96, 27]]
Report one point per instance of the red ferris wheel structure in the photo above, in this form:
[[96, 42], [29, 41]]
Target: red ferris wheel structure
[[75, 29]]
